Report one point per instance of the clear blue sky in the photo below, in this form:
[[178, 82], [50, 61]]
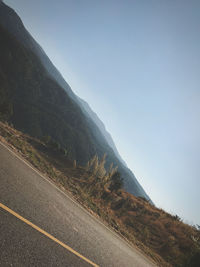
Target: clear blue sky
[[137, 63]]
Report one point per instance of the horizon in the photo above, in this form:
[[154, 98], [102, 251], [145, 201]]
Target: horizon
[[153, 65]]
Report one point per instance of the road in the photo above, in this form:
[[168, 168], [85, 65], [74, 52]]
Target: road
[[42, 226]]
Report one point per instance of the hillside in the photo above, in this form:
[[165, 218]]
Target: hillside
[[38, 101], [162, 236]]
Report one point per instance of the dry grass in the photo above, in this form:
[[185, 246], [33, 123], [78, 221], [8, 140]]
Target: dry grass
[[162, 236]]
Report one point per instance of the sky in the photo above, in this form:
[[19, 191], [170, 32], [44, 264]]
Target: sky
[[137, 64]]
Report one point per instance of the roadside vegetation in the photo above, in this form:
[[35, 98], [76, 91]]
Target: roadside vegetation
[[162, 236]]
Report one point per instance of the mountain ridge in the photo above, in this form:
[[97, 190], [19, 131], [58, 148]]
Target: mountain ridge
[[97, 139], [30, 43]]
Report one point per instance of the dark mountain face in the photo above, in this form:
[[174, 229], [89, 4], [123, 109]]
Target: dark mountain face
[[37, 100], [8, 19]]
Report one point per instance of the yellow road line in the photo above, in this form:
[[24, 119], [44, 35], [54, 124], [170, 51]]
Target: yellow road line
[[47, 234]]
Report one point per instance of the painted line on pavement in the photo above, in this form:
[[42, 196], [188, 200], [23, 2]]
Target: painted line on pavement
[[20, 157], [47, 234], [47, 179]]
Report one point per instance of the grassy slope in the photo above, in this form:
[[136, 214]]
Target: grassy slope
[[163, 237]]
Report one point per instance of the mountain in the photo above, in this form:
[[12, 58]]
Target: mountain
[[36, 99], [89, 112], [8, 18]]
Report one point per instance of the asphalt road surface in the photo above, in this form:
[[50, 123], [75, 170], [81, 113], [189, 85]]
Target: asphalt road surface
[[42, 226]]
